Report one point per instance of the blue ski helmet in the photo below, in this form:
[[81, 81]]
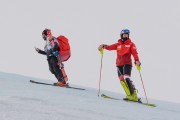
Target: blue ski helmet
[[125, 31]]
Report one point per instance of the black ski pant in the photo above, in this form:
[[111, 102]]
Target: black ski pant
[[124, 70], [54, 68]]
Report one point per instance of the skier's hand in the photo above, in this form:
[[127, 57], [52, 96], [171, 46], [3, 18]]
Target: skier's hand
[[102, 46], [137, 63], [37, 49], [40, 51]]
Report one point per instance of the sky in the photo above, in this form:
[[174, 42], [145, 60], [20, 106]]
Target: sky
[[154, 27]]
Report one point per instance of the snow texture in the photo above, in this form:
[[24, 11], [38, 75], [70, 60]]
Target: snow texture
[[22, 100]]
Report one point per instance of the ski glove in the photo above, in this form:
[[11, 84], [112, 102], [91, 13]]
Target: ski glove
[[40, 51], [37, 49], [137, 63], [102, 46]]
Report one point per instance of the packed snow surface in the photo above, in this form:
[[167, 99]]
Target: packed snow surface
[[22, 100]]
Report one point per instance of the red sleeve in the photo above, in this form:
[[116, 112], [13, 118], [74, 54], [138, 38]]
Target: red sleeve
[[134, 52], [112, 47]]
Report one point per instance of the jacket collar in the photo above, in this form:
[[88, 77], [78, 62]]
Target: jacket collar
[[126, 42]]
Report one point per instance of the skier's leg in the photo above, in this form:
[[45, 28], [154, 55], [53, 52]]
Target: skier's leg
[[127, 73], [129, 83], [122, 80], [50, 66], [133, 92], [57, 71], [50, 63]]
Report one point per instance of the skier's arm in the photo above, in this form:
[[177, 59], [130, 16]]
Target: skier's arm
[[111, 47], [135, 54], [108, 47], [40, 51]]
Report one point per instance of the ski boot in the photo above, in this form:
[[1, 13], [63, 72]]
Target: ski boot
[[126, 89], [131, 97], [134, 96], [130, 90], [125, 86], [61, 83]]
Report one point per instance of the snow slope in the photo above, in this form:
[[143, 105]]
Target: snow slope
[[22, 100]]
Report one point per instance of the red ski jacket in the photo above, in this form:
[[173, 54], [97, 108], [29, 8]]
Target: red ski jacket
[[124, 52]]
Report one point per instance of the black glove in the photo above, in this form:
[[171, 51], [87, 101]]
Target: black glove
[[40, 51], [137, 63], [37, 49]]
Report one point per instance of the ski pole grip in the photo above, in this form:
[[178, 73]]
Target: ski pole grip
[[102, 52], [138, 67]]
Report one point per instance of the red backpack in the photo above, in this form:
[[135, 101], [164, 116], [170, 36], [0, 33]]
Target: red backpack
[[65, 51]]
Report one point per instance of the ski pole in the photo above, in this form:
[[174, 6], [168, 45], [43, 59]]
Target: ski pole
[[102, 53], [139, 68]]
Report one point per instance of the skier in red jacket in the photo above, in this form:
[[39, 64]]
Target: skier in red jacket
[[125, 48]]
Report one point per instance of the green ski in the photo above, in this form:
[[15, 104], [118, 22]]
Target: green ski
[[108, 97]]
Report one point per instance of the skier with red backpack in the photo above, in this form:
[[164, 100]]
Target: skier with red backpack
[[125, 48], [57, 51]]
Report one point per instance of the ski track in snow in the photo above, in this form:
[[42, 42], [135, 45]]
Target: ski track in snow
[[22, 100]]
